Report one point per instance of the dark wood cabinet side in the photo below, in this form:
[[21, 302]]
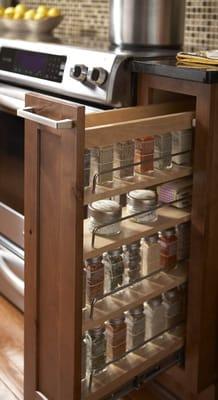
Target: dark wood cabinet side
[[54, 252]]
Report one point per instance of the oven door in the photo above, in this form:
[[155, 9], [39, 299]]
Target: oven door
[[12, 273]]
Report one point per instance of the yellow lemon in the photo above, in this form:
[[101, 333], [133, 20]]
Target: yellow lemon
[[42, 10], [30, 14], [9, 12], [2, 10], [18, 15], [54, 12], [39, 16], [20, 9]]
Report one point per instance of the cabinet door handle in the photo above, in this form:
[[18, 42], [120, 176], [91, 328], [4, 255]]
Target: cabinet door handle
[[29, 113]]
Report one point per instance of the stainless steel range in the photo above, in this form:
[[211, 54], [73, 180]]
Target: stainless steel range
[[97, 78]]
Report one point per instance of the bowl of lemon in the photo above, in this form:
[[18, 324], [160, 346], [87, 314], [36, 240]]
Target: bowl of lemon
[[21, 19]]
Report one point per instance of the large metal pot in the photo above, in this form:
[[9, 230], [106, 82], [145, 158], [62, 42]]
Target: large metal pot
[[147, 22]]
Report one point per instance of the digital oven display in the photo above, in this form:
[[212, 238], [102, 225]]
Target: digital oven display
[[38, 65]]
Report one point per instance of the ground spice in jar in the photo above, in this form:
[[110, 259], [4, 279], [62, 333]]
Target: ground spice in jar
[[144, 154], [154, 317], [133, 261], [163, 151], [96, 349], [183, 232], [168, 244], [114, 269], [150, 254], [94, 279], [105, 212], [116, 338], [123, 156], [135, 320], [182, 142], [102, 163], [142, 200], [173, 308]]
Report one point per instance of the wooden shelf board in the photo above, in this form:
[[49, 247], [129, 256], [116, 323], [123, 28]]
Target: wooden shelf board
[[132, 231], [118, 374], [120, 186], [11, 348], [112, 306]]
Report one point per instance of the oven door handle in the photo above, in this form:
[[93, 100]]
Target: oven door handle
[[8, 274], [30, 114]]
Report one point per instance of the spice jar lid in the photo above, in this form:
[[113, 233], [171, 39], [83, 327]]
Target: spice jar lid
[[105, 211], [115, 253], [117, 321], [155, 302], [142, 197], [134, 246], [137, 310], [152, 239], [169, 232], [97, 331], [171, 294], [94, 260]]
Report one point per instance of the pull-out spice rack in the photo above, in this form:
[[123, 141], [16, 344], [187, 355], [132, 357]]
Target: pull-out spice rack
[[58, 242]]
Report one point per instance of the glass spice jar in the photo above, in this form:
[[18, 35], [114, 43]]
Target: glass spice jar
[[84, 358], [84, 290], [133, 261], [114, 269], [154, 317], [135, 320], [96, 349], [94, 279], [173, 308], [116, 338], [183, 240], [182, 142], [142, 200], [168, 244], [144, 154], [123, 156], [163, 151], [103, 212], [87, 163], [102, 163], [150, 254]]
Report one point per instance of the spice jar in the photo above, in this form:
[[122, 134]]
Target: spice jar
[[179, 192], [142, 200], [183, 296], [94, 279], [84, 357], [150, 254], [84, 290], [183, 240], [173, 308], [116, 338], [96, 349], [168, 244], [123, 156], [144, 154], [102, 163], [163, 151], [135, 320], [104, 212], [133, 261], [114, 269], [154, 317], [182, 142], [87, 163]]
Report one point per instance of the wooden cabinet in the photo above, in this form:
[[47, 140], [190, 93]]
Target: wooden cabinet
[[57, 242]]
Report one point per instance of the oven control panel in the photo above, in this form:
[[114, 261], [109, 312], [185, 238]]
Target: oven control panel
[[38, 65]]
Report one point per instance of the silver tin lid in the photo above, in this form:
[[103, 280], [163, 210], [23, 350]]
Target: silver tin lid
[[105, 211], [142, 198]]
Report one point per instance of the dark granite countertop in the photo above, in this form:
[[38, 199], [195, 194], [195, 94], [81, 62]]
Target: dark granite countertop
[[170, 68]]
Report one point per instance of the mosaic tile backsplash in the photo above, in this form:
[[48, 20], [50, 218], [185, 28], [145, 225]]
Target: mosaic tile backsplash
[[90, 17]]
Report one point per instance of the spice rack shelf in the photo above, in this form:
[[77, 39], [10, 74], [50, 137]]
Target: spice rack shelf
[[121, 186], [114, 305], [135, 363], [132, 231]]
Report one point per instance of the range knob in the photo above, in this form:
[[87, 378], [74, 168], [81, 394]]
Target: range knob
[[97, 76], [79, 72]]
